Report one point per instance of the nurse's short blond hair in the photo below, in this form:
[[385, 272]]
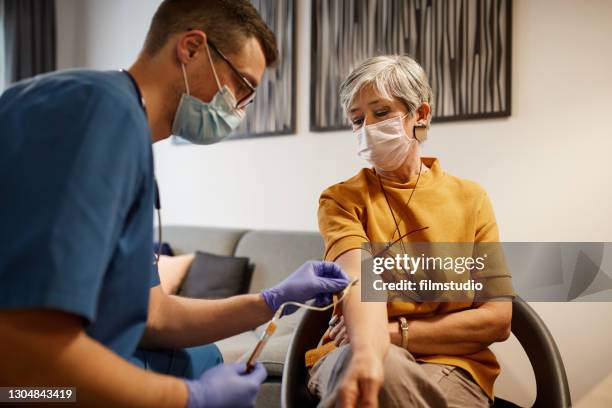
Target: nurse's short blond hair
[[392, 77]]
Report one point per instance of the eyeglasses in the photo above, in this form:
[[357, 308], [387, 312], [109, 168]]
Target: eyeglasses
[[248, 98]]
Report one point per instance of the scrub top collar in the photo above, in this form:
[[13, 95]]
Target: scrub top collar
[[137, 88], [157, 195], [144, 108]]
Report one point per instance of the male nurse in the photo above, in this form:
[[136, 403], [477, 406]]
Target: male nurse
[[80, 301]]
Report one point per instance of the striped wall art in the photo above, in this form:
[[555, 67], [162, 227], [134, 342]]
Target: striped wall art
[[463, 45]]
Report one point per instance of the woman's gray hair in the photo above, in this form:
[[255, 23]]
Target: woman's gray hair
[[391, 76]]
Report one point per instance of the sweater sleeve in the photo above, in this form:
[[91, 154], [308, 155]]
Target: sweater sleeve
[[339, 225], [495, 276]]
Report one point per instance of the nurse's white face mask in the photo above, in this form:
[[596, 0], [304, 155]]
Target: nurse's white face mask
[[202, 122], [385, 145]]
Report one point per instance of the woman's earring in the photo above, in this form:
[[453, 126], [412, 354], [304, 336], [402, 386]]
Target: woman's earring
[[420, 132]]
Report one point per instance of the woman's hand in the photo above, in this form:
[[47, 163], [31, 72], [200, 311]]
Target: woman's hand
[[362, 381], [338, 332]]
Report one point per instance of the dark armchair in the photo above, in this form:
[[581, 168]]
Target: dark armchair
[[527, 326]]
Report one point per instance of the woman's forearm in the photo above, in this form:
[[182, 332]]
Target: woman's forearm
[[364, 321], [458, 348], [457, 333]]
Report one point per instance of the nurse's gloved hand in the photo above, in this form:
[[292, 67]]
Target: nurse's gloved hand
[[226, 385], [314, 279]]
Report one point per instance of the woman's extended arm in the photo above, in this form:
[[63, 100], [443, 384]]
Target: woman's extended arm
[[365, 322]]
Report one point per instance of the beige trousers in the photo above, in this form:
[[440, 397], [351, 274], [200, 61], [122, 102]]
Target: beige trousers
[[408, 383]]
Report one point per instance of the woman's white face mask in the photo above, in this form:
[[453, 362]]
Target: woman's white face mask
[[385, 144]]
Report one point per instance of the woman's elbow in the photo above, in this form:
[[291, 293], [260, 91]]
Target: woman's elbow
[[504, 329], [494, 332], [501, 326], [498, 320]]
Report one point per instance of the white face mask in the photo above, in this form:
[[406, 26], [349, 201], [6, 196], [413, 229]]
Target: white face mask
[[206, 123], [385, 144]]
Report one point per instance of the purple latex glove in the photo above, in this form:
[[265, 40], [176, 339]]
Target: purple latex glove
[[314, 279], [226, 385]]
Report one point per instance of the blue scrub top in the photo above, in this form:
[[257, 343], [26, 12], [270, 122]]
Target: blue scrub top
[[76, 206]]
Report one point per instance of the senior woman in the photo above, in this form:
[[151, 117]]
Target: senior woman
[[445, 360]]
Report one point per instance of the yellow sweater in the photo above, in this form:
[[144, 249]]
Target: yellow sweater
[[454, 210]]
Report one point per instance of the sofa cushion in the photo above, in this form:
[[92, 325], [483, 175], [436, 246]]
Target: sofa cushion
[[216, 277], [239, 347], [233, 348], [164, 249], [273, 355], [276, 254], [220, 241], [269, 394]]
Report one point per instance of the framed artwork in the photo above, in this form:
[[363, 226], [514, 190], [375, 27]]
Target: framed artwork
[[272, 112], [463, 45]]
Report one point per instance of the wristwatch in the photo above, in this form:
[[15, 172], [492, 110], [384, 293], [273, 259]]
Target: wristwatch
[[403, 331]]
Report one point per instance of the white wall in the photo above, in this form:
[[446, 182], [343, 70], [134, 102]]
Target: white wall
[[543, 167], [547, 168]]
